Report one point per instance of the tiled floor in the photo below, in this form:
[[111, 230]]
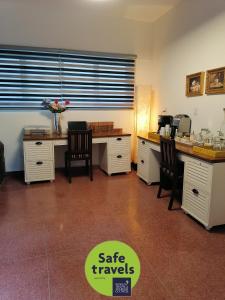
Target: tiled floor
[[47, 229]]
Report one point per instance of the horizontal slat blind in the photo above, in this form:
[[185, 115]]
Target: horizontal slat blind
[[29, 75]]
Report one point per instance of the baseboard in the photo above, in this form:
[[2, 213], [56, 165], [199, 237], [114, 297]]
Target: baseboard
[[14, 173]]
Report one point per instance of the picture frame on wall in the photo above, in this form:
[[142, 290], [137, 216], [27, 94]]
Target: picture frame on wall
[[195, 84], [215, 81]]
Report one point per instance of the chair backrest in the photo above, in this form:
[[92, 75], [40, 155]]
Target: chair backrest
[[80, 141], [168, 155], [77, 125]]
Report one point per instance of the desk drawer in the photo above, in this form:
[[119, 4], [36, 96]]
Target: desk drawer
[[119, 163], [41, 150], [39, 170], [143, 146], [198, 172], [196, 202], [119, 144], [143, 168]]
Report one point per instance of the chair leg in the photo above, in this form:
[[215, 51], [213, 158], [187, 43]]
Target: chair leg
[[170, 203], [66, 165], [171, 198], [86, 165], [90, 170], [159, 191], [69, 172]]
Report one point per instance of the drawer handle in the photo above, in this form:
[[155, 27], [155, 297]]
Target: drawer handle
[[119, 156], [119, 139], [196, 192], [142, 161], [143, 142], [38, 143], [39, 163]]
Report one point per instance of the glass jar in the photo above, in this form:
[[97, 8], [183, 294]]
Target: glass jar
[[217, 143]]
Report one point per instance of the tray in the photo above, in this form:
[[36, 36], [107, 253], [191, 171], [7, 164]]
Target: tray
[[209, 152], [154, 136]]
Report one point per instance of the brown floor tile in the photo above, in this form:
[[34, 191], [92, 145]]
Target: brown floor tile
[[21, 240], [24, 280], [62, 222]]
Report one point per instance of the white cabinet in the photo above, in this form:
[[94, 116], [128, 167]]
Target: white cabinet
[[203, 187], [115, 156], [148, 161], [204, 191], [38, 160]]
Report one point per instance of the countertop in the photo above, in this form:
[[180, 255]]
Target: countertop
[[187, 149], [64, 136]]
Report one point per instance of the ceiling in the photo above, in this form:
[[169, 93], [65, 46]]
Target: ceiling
[[148, 12], [137, 10]]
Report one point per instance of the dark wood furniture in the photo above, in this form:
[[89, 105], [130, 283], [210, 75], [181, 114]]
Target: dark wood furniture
[[77, 125], [171, 170], [2, 162], [79, 148]]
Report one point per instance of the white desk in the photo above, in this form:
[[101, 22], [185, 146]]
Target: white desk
[[204, 188], [39, 155]]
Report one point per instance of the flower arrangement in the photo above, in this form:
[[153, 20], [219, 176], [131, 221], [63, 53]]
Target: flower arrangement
[[55, 106]]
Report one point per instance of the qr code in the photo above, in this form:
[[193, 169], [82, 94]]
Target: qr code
[[121, 286]]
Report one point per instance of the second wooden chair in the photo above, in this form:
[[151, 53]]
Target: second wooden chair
[[171, 170], [79, 148]]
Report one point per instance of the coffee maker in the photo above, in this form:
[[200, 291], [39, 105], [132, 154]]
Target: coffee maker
[[164, 120], [182, 124]]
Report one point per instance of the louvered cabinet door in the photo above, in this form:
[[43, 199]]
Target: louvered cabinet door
[[197, 189], [198, 172], [148, 161], [143, 156], [119, 155], [196, 202], [38, 161]]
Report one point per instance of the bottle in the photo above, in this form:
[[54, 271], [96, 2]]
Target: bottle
[[167, 130], [192, 136]]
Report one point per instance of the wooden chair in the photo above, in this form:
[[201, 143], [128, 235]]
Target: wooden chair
[[171, 170], [79, 148], [77, 125]]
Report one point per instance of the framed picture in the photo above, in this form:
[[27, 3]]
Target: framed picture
[[215, 81], [195, 84]]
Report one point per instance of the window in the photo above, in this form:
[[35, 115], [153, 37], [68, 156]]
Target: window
[[88, 80]]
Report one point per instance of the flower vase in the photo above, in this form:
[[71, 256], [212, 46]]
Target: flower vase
[[57, 123]]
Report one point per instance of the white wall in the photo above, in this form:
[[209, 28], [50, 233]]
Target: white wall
[[65, 24], [189, 39]]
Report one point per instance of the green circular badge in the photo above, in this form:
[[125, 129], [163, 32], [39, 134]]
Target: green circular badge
[[112, 268]]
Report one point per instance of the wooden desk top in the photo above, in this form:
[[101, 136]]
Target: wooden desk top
[[187, 149], [63, 136]]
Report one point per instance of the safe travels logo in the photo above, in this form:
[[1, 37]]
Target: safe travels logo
[[112, 268]]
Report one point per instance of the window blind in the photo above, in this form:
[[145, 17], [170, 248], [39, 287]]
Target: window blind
[[88, 80]]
